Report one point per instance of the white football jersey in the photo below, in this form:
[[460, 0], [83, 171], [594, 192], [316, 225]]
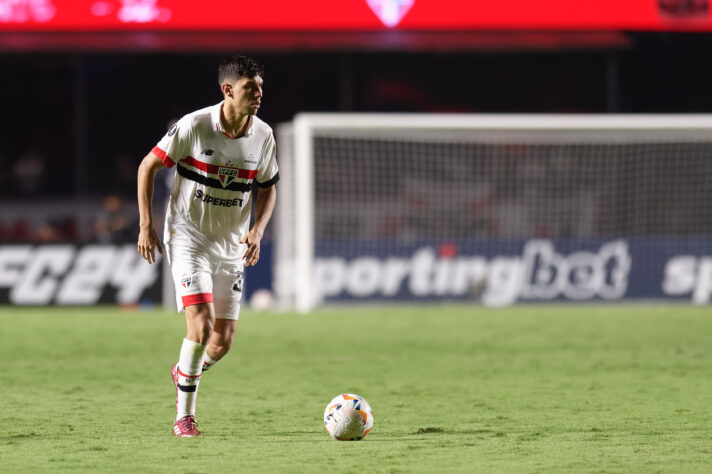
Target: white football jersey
[[210, 195]]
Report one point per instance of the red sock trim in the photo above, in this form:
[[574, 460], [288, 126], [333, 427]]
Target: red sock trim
[[180, 372], [197, 299]]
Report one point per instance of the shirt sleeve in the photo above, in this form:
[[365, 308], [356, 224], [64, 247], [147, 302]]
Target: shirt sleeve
[[268, 173], [175, 144]]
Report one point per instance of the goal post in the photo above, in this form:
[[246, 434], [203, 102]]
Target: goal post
[[493, 208]]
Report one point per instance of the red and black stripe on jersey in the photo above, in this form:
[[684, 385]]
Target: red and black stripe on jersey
[[211, 182], [214, 169], [185, 171]]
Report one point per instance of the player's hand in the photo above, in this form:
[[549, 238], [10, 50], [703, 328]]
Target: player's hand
[[252, 254], [148, 242]]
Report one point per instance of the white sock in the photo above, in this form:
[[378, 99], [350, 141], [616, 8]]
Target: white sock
[[208, 361], [189, 370]]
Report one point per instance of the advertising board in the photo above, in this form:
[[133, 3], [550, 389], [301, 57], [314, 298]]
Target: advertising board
[[67, 274], [504, 273], [351, 15]]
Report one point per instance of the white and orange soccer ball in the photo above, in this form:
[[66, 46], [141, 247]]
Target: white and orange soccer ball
[[348, 417]]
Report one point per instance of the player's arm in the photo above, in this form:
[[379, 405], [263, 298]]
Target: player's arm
[[266, 199], [148, 239]]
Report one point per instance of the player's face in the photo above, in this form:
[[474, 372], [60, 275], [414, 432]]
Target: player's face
[[248, 95]]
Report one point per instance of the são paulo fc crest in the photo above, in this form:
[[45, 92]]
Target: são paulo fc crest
[[227, 175], [185, 281]]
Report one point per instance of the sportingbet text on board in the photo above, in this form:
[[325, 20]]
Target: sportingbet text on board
[[542, 270]]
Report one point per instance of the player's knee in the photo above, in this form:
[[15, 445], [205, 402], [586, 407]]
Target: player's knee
[[201, 324], [200, 333], [225, 347], [206, 330]]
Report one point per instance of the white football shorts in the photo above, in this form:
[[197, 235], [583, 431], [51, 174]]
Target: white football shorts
[[201, 278]]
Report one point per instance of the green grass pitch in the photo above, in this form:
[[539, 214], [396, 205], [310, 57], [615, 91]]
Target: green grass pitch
[[550, 388]]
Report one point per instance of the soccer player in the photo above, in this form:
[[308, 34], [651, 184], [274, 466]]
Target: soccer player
[[217, 152]]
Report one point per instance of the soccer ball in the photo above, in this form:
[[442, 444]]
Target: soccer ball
[[348, 417], [261, 300]]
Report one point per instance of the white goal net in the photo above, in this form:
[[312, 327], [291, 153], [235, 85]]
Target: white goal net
[[493, 208]]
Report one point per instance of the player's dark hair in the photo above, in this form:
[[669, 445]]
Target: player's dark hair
[[234, 67]]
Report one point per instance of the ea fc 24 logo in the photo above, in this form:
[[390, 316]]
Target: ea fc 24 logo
[[71, 275], [227, 175]]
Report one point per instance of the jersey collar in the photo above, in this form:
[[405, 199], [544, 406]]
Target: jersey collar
[[217, 123]]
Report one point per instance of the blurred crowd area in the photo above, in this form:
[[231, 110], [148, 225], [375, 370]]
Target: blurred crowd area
[[111, 219], [75, 126]]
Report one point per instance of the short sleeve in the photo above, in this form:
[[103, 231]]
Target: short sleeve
[[175, 144], [268, 173]]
